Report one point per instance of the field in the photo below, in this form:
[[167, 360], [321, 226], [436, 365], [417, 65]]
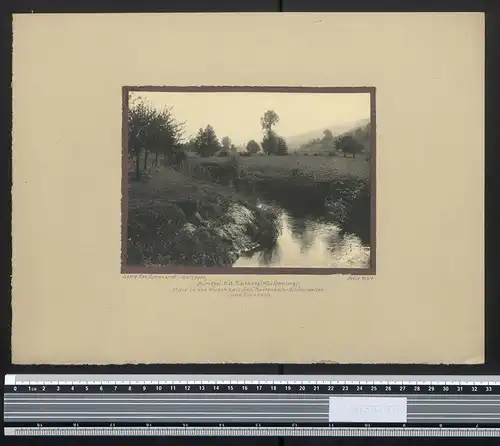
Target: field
[[320, 167]]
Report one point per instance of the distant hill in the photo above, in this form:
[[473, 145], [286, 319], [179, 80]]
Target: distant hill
[[297, 141], [360, 132]]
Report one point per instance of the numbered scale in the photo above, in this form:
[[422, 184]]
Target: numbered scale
[[243, 405]]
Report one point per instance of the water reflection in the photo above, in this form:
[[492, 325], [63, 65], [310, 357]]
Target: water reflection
[[307, 241]]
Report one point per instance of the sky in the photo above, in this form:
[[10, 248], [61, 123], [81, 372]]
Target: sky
[[237, 114]]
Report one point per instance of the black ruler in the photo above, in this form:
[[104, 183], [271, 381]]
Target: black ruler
[[251, 405]]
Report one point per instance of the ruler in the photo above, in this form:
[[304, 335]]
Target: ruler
[[250, 405]]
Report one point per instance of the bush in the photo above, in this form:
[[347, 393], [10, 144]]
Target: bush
[[253, 146], [148, 227], [298, 173]]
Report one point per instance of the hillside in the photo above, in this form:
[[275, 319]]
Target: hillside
[[361, 133], [297, 141]]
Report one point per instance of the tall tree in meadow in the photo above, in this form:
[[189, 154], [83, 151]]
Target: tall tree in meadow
[[270, 141], [269, 119]]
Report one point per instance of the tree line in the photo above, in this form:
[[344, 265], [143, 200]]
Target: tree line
[[152, 131], [157, 133]]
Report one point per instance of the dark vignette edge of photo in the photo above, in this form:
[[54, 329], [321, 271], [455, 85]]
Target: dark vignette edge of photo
[[126, 269]]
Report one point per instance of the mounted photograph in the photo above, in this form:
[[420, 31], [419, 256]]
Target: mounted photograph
[[248, 180]]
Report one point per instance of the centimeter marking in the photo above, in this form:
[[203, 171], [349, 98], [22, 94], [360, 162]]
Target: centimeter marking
[[253, 384], [235, 389], [249, 380], [272, 431], [255, 379]]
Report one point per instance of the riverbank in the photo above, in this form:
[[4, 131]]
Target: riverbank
[[176, 220], [306, 185]]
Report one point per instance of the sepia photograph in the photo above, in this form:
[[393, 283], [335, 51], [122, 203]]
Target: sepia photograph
[[293, 200], [248, 179]]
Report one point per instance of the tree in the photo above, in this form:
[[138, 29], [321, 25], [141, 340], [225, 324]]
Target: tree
[[273, 144], [348, 144], [282, 147], [199, 141], [138, 118], [171, 135], [268, 120], [270, 143], [327, 138], [253, 147], [226, 143], [206, 142], [151, 130], [164, 135]]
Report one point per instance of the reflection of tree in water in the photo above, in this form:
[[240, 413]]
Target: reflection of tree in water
[[247, 254], [269, 255], [334, 241], [266, 255], [303, 231], [268, 251]]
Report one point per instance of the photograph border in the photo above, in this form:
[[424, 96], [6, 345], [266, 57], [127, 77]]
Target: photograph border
[[126, 269]]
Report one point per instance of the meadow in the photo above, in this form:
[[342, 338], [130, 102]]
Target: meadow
[[320, 168]]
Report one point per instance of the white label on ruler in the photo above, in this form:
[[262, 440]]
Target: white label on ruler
[[354, 409]]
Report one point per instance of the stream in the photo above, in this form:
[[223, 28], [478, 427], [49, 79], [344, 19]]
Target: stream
[[308, 241]]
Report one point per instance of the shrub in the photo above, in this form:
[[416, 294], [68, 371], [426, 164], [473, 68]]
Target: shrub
[[253, 147], [298, 173]]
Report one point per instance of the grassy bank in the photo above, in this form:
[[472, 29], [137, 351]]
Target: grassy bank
[[176, 220]]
